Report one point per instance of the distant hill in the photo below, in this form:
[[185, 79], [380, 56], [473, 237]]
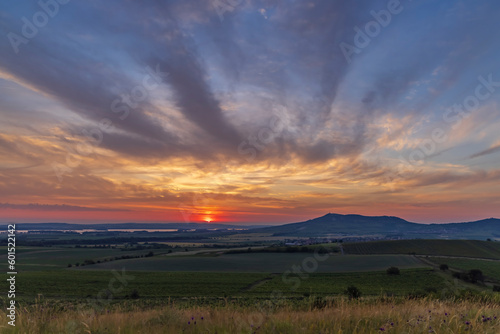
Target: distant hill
[[332, 225]]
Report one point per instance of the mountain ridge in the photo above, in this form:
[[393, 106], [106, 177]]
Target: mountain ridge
[[356, 225]]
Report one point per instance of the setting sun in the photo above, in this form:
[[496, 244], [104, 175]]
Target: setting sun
[[208, 217]]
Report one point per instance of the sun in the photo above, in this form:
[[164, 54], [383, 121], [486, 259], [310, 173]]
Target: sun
[[208, 217]]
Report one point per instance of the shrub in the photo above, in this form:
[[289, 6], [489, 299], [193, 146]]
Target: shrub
[[134, 294], [496, 288], [443, 267], [322, 250], [475, 275], [352, 292], [472, 276], [392, 271]]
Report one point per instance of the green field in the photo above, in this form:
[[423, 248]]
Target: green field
[[261, 262], [489, 268], [370, 283], [68, 284], [49, 258], [465, 248]]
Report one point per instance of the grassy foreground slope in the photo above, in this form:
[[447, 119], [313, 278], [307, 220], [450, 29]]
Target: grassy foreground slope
[[464, 248], [343, 316]]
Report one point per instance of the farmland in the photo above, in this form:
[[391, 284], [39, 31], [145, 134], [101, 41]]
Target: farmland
[[60, 285], [370, 283], [161, 286], [489, 268], [53, 258], [260, 262], [465, 248]]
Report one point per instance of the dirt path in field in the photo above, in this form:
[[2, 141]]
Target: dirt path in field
[[459, 257], [259, 282]]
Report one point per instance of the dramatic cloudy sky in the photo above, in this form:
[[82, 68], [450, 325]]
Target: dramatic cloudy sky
[[261, 111]]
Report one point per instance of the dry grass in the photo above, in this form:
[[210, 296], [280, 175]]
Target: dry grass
[[337, 316]]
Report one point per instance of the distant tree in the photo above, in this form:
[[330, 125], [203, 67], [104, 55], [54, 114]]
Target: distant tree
[[392, 271], [134, 294], [70, 265], [443, 267], [322, 250], [352, 292], [488, 239]]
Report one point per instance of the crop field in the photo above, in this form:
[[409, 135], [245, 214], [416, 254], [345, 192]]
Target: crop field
[[49, 258], [489, 268], [369, 283], [465, 248], [261, 262], [70, 284]]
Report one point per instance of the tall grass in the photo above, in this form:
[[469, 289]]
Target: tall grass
[[340, 315]]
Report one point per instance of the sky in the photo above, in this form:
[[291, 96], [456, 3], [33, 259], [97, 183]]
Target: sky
[[249, 111]]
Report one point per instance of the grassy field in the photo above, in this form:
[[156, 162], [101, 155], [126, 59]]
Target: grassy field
[[50, 258], [68, 284], [466, 248], [72, 284], [287, 292], [337, 316], [370, 283], [260, 262], [489, 268]]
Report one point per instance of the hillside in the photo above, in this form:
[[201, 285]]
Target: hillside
[[337, 225]]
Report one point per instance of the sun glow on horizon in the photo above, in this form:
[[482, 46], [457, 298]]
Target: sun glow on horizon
[[208, 218]]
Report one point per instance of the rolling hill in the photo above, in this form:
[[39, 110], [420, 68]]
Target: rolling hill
[[337, 225]]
